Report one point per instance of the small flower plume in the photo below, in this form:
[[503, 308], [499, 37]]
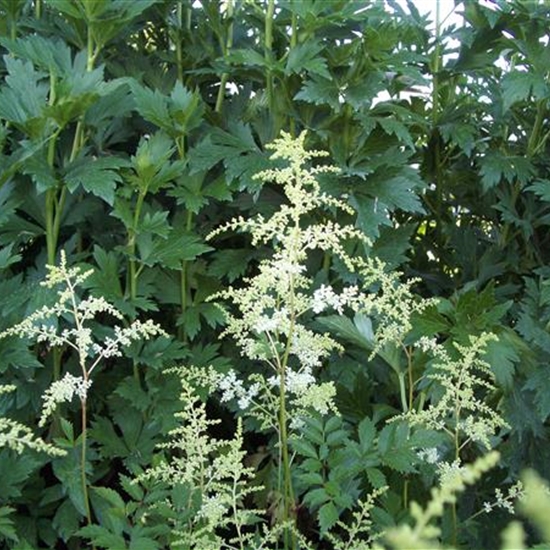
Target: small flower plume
[[271, 306], [18, 437], [460, 410], [66, 323], [63, 390], [210, 471], [269, 317], [423, 534]]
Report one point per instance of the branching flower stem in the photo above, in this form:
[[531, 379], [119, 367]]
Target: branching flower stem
[[79, 337], [288, 490]]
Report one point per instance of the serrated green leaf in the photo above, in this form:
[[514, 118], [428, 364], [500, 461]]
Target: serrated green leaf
[[23, 100], [386, 438], [66, 520], [159, 352], [131, 390], [366, 431], [316, 497], [496, 166], [327, 516], [311, 478], [178, 248], [247, 57], [103, 538], [336, 438], [541, 188], [151, 105], [345, 328], [133, 489], [109, 442], [518, 86], [503, 357], [152, 168], [105, 279], [320, 91], [154, 223], [401, 460], [48, 54], [305, 57], [539, 382], [176, 114], [429, 322], [397, 128], [186, 109], [332, 423], [139, 542], [20, 468], [7, 258], [237, 149], [231, 263], [7, 528], [98, 176], [392, 245], [313, 430], [67, 470], [109, 509], [376, 478]]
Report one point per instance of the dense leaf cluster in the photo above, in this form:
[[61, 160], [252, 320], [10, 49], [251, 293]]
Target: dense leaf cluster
[[129, 131]]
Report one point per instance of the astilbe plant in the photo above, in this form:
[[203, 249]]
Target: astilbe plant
[[19, 438], [269, 318], [207, 473], [270, 312], [423, 534], [67, 324], [460, 411]]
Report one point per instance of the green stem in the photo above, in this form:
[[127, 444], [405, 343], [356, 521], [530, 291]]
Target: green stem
[[38, 9], [288, 490], [134, 274], [436, 63], [83, 480], [178, 42], [537, 126], [90, 49], [294, 28], [226, 48], [435, 107], [327, 260], [50, 212], [403, 391], [52, 206], [134, 271], [184, 290], [411, 378], [268, 45], [13, 29]]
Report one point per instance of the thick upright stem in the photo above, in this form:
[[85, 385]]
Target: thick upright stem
[[288, 489]]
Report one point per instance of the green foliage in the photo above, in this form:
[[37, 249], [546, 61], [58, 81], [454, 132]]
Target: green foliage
[[130, 131]]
